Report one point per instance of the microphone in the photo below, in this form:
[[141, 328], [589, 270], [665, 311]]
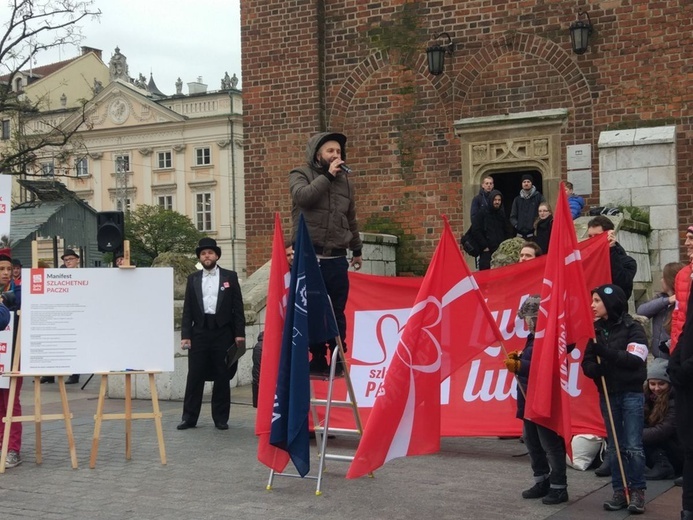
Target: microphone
[[345, 168]]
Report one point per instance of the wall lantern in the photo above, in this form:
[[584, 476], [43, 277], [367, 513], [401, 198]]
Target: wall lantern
[[580, 33], [436, 54]]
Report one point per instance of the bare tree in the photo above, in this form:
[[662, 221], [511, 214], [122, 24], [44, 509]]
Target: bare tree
[[34, 26]]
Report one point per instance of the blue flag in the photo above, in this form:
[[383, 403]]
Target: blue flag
[[309, 319]]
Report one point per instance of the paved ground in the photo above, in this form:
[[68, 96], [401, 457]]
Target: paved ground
[[213, 474]]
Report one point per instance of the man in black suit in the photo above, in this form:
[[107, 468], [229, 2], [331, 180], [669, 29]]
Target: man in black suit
[[212, 320]]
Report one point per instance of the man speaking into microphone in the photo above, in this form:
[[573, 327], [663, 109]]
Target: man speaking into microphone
[[322, 192]]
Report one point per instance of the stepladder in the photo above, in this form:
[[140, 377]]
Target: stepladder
[[322, 406]]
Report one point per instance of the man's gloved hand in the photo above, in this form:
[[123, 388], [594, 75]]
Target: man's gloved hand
[[513, 365], [8, 298], [515, 354], [600, 349]]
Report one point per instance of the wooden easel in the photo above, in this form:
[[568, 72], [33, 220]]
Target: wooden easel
[[37, 417], [128, 416]]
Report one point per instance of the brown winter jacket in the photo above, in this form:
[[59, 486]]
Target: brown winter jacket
[[327, 204]]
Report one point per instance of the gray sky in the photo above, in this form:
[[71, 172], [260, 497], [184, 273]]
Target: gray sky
[[169, 38]]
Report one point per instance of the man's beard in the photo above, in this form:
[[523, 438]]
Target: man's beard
[[211, 266], [324, 163]]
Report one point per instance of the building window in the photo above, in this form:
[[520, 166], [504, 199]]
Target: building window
[[203, 211], [82, 167], [203, 156], [164, 160], [48, 169], [165, 202], [5, 129], [122, 163], [119, 205]]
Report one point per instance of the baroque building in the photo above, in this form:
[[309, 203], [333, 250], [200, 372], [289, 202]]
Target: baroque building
[[135, 145]]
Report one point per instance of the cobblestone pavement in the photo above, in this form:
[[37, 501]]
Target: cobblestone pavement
[[215, 474]]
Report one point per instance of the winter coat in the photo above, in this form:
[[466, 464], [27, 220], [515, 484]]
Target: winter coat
[[657, 309], [682, 289], [480, 200], [576, 204], [542, 235], [681, 374], [523, 375], [525, 210], [490, 226], [623, 268], [327, 204], [623, 370], [664, 432]]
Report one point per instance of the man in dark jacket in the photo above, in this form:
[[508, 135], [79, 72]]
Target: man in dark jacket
[[525, 208], [323, 193], [623, 267], [483, 198], [616, 361], [489, 228]]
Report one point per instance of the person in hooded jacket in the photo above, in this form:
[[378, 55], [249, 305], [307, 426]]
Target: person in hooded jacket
[[662, 449], [681, 374], [322, 192], [616, 359], [489, 228], [525, 208], [543, 225], [546, 448]]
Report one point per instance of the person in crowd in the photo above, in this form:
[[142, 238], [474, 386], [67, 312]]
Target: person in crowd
[[680, 372], [322, 192], [10, 300], [70, 261], [662, 449], [546, 448], [659, 309], [529, 251], [682, 289], [543, 225], [257, 349], [525, 208], [623, 267], [483, 198], [17, 271], [489, 228], [616, 361], [213, 320], [575, 202]]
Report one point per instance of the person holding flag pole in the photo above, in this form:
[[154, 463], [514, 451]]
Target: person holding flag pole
[[616, 361]]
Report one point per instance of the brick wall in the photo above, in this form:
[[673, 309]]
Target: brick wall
[[511, 57]]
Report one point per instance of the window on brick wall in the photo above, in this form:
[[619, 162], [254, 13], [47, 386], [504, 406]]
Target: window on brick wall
[[203, 156], [203, 211]]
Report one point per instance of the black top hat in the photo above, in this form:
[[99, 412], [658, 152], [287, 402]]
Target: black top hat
[[207, 243], [69, 252]]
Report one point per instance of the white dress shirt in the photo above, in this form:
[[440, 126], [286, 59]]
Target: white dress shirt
[[210, 290]]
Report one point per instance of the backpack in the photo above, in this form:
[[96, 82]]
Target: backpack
[[469, 244]]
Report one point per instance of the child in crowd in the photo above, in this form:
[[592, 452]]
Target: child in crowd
[[546, 448], [662, 449], [659, 309], [575, 202], [616, 361]]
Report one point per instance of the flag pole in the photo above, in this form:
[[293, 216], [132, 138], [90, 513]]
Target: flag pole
[[613, 434]]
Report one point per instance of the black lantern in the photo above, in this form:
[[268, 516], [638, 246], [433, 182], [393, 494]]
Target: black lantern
[[580, 33], [436, 55]]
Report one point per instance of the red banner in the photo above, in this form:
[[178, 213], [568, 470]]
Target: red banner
[[478, 399]]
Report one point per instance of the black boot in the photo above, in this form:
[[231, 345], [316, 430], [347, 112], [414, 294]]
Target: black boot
[[318, 362], [72, 380], [662, 468], [686, 515], [678, 481], [47, 379], [555, 496], [538, 490], [604, 470]]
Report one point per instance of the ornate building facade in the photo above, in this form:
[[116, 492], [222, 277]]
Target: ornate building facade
[[136, 145]]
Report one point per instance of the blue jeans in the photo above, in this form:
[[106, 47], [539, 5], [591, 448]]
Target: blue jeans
[[627, 410]]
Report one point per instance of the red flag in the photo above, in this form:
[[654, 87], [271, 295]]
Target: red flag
[[405, 420], [269, 455], [565, 317]]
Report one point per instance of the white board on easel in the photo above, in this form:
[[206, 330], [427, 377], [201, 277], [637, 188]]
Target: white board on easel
[[91, 320]]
